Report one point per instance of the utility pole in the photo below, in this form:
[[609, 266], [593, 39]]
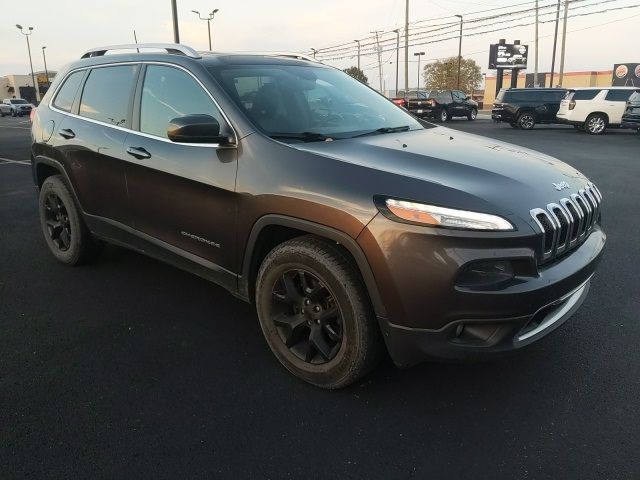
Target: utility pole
[[418, 54], [314, 51], [376, 32], [406, 47], [46, 71], [33, 77], [535, 71], [397, 30], [174, 14], [459, 50], [208, 18], [555, 43], [358, 42], [564, 40]]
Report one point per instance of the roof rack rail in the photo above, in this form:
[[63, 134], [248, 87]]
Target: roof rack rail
[[299, 56], [172, 48]]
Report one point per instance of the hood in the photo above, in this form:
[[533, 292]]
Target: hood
[[496, 172]]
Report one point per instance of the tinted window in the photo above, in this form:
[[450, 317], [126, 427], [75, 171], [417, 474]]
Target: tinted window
[[618, 95], [107, 94], [582, 94], [554, 95], [294, 99], [460, 95], [442, 97], [635, 97], [67, 93], [169, 93], [19, 102]]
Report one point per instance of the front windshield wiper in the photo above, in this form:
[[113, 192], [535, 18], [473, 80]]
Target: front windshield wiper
[[302, 136], [403, 128]]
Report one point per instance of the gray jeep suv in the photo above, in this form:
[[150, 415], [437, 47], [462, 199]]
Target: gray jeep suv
[[351, 225]]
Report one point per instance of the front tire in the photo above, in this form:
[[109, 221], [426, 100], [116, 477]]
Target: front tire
[[315, 313], [595, 124], [66, 235], [472, 114], [526, 121]]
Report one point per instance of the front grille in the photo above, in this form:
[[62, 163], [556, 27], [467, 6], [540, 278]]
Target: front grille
[[566, 224]]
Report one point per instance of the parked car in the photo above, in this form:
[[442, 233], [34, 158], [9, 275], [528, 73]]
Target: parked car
[[403, 97], [594, 109], [348, 223], [631, 116], [443, 105], [16, 107], [525, 107]]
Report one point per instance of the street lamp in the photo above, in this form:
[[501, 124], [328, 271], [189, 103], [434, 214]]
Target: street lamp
[[46, 71], [33, 77], [397, 30], [418, 54], [314, 51], [459, 49], [208, 18], [358, 42]]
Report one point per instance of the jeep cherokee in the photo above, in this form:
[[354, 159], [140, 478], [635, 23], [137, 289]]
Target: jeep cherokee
[[350, 224]]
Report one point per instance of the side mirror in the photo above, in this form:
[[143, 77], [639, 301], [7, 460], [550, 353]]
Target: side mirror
[[197, 128]]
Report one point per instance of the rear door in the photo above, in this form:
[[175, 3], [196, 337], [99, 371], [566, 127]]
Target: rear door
[[91, 137], [181, 194], [616, 102], [460, 107]]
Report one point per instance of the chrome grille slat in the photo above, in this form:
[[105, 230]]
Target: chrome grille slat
[[567, 223]]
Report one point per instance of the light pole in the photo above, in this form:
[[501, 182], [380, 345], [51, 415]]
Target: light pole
[[535, 71], [33, 77], [564, 40], [418, 54], [358, 42], [314, 51], [459, 50], [555, 44], [397, 30], [377, 34], [406, 46], [46, 71], [174, 15], [208, 18]]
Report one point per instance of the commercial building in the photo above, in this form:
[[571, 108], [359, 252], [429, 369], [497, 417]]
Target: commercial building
[[21, 86]]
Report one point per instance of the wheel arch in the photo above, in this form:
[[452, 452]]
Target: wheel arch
[[44, 167], [604, 114], [271, 230]]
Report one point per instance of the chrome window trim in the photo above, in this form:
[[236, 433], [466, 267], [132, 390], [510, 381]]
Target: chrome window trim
[[137, 132]]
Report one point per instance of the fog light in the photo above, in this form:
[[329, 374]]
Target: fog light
[[486, 274]]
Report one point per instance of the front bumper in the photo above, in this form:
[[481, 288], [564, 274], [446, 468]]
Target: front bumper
[[631, 121], [430, 316]]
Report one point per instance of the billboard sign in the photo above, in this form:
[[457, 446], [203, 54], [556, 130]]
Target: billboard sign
[[508, 55], [626, 75]]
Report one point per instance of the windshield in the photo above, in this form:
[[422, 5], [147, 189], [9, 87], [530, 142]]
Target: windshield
[[308, 103], [18, 102]]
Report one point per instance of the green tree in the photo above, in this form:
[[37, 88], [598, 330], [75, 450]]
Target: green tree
[[356, 73], [443, 75]]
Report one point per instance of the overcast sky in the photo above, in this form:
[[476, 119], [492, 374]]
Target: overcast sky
[[68, 27]]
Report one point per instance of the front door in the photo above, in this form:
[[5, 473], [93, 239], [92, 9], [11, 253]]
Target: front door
[[181, 194]]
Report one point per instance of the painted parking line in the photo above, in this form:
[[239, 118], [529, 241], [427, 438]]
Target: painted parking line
[[13, 126], [7, 161]]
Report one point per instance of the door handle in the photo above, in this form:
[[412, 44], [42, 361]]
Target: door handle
[[138, 152], [67, 133]]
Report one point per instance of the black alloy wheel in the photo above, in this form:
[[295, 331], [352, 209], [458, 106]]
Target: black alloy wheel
[[307, 316], [57, 221]]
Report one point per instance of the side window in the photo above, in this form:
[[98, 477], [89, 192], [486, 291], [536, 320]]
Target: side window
[[585, 94], [168, 93], [459, 95], [67, 93], [107, 94], [618, 95]]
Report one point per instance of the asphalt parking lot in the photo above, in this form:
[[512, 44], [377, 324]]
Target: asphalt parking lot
[[129, 368]]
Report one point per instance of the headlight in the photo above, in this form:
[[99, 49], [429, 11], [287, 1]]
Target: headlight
[[446, 217]]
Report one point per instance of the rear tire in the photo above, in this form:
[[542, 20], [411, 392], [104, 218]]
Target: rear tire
[[444, 116], [595, 124], [472, 114], [67, 237], [13, 113], [315, 313], [526, 121]]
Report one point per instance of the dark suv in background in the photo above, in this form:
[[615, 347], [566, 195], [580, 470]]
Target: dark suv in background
[[443, 105], [631, 116], [348, 223], [525, 107]]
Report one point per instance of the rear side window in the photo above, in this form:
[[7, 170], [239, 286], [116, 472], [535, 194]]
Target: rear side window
[[552, 95], [635, 96], [107, 94], [582, 94], [169, 93], [442, 97], [67, 93], [618, 95]]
